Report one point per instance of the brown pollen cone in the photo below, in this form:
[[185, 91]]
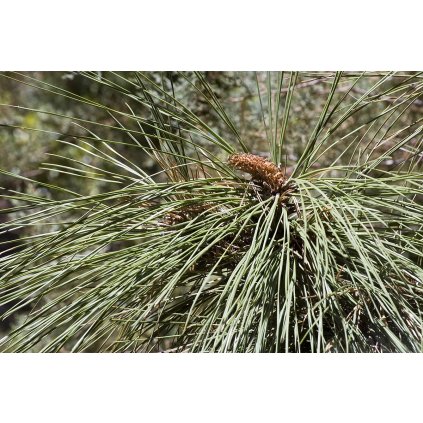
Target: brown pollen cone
[[260, 169]]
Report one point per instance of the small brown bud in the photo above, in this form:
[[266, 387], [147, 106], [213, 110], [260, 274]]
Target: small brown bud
[[260, 169]]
